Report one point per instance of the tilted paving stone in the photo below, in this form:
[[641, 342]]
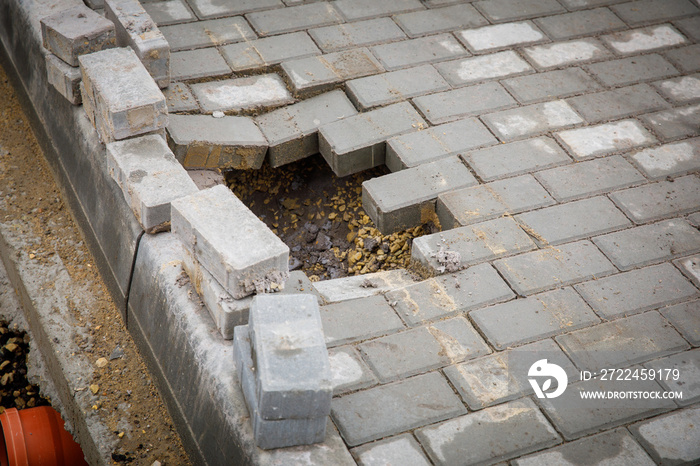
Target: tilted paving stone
[[392, 209], [261, 53], [445, 19], [363, 9], [516, 158], [593, 141], [402, 449], [207, 33], [349, 372], [201, 141], [566, 53], [618, 103], [580, 23], [390, 409], [487, 201], [613, 447], [500, 36], [358, 319], [357, 34], [450, 105], [503, 376], [589, 178], [449, 295], [64, 78], [412, 149], [670, 439], [533, 318], [500, 11], [632, 70], [206, 9], [294, 18], [537, 271], [645, 11], [687, 365], [356, 286], [483, 68], [690, 266], [675, 123], [469, 439], [423, 349], [531, 120], [418, 51], [169, 12], [395, 86], [649, 244], [267, 90], [686, 318], [685, 58], [359, 142], [195, 64], [179, 98], [292, 131], [685, 89], [644, 40], [658, 200], [689, 26], [550, 84]]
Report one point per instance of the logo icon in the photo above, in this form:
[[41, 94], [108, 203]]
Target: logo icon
[[551, 371]]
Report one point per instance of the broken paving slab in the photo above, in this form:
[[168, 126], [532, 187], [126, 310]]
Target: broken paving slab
[[251, 93], [362, 286], [202, 141]]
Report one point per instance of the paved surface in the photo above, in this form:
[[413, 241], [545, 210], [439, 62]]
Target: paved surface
[[576, 124]]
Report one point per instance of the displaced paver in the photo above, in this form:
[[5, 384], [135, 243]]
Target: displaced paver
[[362, 286], [358, 319], [659, 200], [64, 78], [267, 90], [670, 439], [531, 120], [467, 101], [605, 139]]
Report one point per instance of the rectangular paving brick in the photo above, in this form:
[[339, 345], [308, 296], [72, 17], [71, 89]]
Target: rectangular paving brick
[[675, 123], [179, 98], [64, 78], [687, 365], [483, 68], [689, 26], [358, 142], [645, 11], [423, 349], [649, 244], [358, 34], [253, 54], [389, 409], [294, 18], [533, 318], [644, 40], [362, 9], [658, 200], [685, 318], [169, 12], [467, 101], [358, 319], [418, 51], [618, 103], [531, 120], [580, 23], [412, 149], [487, 201], [500, 11], [195, 64], [593, 141], [267, 90], [685, 89], [470, 439], [537, 271], [661, 436], [632, 70], [206, 9], [401, 449], [566, 53], [448, 295], [207, 33], [500, 36], [355, 286], [393, 209], [395, 86], [550, 85], [690, 266], [419, 23], [585, 4], [349, 371], [685, 58]]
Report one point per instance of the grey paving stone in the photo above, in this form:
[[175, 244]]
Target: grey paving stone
[[357, 34], [690, 266], [537, 271], [580, 23], [613, 447], [395, 86], [618, 103], [195, 64], [450, 105], [412, 149], [588, 178], [475, 243], [500, 11], [686, 366], [423, 349], [658, 200], [500, 36], [649, 244], [418, 51], [694, 219], [389, 409], [483, 68], [359, 142], [254, 92], [446, 19], [207, 33], [470, 439], [566, 53], [593, 141], [585, 4], [348, 371], [503, 376], [355, 286], [449, 294], [516, 158], [201, 141], [531, 120], [261, 53], [206, 9], [487, 201], [632, 70], [179, 98], [686, 318], [675, 123], [169, 12], [358, 319], [64, 78], [690, 27], [685, 89], [671, 439], [402, 449], [294, 18], [550, 84], [533, 318], [643, 40], [685, 58], [646, 11], [363, 9], [393, 209]]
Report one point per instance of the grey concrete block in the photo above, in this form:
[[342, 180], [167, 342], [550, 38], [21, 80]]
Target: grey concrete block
[[622, 342], [690, 27], [169, 12], [362, 286], [632, 70], [358, 319], [687, 367], [135, 28], [292, 131], [413, 149], [537, 271], [690, 266], [205, 9], [469, 439], [566, 53], [645, 11], [659, 200], [196, 64], [357, 34], [685, 89], [685, 318], [685, 58], [64, 78], [402, 449], [201, 141], [395, 86], [670, 439], [675, 123], [500, 36], [516, 158], [500, 11], [420, 23], [390, 409], [483, 68], [254, 92], [179, 98], [362, 9], [423, 349], [608, 138], [585, 4], [261, 53], [580, 23], [532, 120], [359, 142], [473, 100], [550, 84], [618, 103], [348, 371], [534, 318], [393, 209], [294, 18], [588, 178], [449, 295], [76, 31], [418, 51], [230, 241], [208, 33], [644, 40]]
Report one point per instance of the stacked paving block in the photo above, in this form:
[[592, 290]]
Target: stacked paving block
[[284, 370], [67, 35]]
